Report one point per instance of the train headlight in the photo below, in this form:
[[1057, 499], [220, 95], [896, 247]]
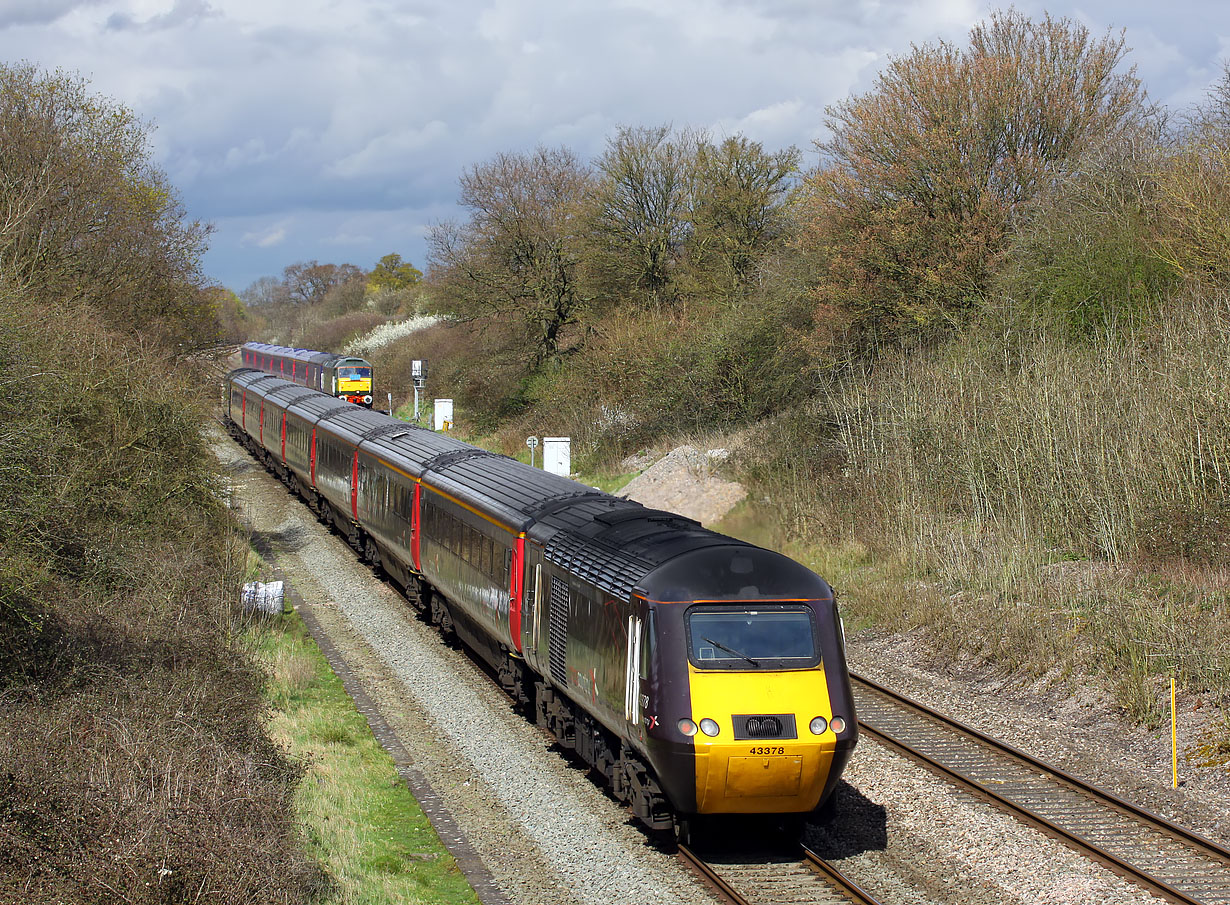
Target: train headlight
[[838, 724], [367, 400], [709, 727], [687, 727], [818, 725]]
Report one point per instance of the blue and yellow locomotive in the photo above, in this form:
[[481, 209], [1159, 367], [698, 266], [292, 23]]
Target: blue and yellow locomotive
[[700, 674]]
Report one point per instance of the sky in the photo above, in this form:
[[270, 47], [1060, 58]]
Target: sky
[[336, 130]]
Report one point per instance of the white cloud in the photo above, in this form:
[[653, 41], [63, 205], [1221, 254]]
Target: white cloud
[[387, 151], [269, 237], [38, 12], [348, 238]]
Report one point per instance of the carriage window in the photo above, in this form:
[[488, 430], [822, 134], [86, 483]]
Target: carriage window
[[647, 644], [485, 565], [759, 637]]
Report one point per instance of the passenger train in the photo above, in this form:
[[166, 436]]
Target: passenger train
[[344, 376], [699, 674]]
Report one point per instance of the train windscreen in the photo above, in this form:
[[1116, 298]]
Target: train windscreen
[[753, 637]]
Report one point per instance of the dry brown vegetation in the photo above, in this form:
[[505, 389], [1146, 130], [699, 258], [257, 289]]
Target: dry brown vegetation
[[134, 765], [1051, 504]]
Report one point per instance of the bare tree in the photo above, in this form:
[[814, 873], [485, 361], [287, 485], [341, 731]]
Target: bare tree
[[641, 211], [737, 216], [263, 292], [519, 253], [308, 282]]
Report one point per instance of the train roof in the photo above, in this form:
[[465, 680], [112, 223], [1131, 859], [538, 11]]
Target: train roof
[[480, 477], [286, 396], [409, 446], [611, 542], [318, 405], [616, 544], [352, 422], [251, 378]]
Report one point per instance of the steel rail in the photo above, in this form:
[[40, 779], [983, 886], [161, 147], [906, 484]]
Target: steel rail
[[839, 887], [844, 884], [1198, 845], [710, 876]]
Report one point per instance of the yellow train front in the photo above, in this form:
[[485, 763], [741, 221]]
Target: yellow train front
[[352, 380], [745, 702]]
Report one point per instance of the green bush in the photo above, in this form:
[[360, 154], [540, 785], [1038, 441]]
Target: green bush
[[1085, 259], [1031, 489]]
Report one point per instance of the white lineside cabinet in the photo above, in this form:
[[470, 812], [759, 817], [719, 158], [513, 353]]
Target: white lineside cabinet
[[557, 455], [443, 413]]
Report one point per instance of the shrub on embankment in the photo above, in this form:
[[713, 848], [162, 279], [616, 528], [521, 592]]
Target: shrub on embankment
[[1052, 481], [133, 761]]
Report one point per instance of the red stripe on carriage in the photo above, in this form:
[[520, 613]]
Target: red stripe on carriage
[[514, 592], [354, 484], [416, 526]]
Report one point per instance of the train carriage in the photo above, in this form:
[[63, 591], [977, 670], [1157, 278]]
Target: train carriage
[[390, 468], [701, 674]]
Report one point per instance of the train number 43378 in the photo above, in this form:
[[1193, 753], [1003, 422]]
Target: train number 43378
[[772, 749]]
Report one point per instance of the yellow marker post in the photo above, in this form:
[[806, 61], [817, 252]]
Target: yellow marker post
[[1174, 739]]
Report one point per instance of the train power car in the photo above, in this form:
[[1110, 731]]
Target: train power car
[[344, 376], [700, 674]]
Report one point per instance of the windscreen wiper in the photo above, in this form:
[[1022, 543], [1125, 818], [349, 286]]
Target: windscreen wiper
[[731, 650]]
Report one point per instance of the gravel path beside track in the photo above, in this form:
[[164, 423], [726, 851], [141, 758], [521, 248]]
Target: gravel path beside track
[[547, 834]]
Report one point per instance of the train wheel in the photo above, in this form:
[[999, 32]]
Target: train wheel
[[442, 617]]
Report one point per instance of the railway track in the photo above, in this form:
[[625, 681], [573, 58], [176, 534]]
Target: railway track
[[1158, 855], [777, 878]]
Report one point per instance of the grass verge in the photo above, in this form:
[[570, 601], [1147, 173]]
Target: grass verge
[[359, 819]]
